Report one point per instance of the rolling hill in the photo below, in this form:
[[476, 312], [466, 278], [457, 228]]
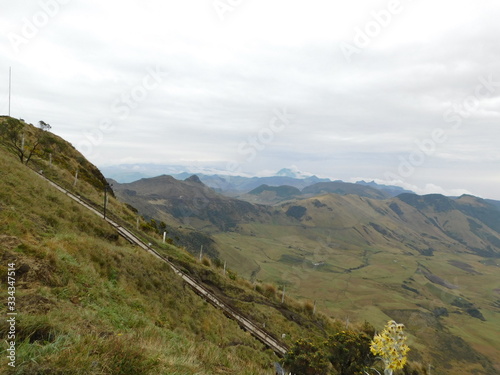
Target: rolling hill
[[189, 202], [431, 262], [272, 195], [344, 188]]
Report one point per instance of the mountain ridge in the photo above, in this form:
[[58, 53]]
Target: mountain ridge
[[433, 245]]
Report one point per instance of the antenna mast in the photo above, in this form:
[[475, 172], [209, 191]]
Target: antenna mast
[[10, 85]]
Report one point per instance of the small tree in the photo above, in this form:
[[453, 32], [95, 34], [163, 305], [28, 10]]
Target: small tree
[[13, 135]]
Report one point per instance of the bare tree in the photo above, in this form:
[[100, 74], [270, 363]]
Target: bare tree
[[13, 135]]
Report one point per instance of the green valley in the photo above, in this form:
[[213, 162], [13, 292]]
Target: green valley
[[431, 262]]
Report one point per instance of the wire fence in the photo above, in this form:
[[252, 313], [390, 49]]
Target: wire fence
[[128, 232]]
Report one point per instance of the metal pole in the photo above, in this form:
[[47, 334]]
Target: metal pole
[[164, 236], [201, 252], [10, 85], [105, 196]]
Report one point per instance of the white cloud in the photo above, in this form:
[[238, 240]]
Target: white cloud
[[225, 78]]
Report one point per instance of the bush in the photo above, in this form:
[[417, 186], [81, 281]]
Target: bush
[[349, 352], [308, 307], [218, 263], [206, 262], [306, 358], [269, 290]]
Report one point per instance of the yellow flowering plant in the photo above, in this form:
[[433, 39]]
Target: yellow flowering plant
[[390, 346]]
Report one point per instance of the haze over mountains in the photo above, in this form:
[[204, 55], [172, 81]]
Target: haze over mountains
[[231, 184]]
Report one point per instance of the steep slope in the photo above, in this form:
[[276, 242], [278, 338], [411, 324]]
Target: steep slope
[[49, 147], [89, 303], [470, 221]]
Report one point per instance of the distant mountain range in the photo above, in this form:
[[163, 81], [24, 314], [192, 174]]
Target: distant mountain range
[[422, 223], [237, 186]]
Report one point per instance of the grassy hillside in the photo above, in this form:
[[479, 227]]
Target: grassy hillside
[[344, 188], [90, 303], [271, 195]]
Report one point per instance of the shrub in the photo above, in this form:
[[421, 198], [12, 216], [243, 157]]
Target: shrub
[[218, 263], [306, 358], [206, 262], [349, 352], [308, 307], [269, 290]]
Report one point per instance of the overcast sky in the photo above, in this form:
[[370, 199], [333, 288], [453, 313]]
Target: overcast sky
[[406, 92]]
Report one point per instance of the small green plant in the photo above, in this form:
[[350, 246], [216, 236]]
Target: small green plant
[[391, 346]]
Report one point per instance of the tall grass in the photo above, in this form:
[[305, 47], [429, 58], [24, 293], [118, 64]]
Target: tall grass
[[92, 304]]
